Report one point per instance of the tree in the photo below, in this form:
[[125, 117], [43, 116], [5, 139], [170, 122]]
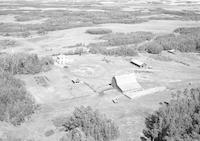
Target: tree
[[16, 104], [178, 120], [94, 125]]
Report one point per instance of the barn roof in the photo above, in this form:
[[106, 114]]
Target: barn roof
[[127, 82]]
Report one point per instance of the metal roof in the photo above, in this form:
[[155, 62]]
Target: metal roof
[[127, 82]]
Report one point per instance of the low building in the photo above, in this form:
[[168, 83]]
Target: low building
[[138, 63], [75, 80], [126, 83], [172, 51]]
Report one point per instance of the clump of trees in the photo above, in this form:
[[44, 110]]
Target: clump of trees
[[16, 104], [153, 48], [178, 120], [193, 33], [117, 39], [21, 63], [88, 125], [183, 43], [187, 40], [120, 51]]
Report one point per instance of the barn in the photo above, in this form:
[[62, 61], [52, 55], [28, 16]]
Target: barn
[[126, 83]]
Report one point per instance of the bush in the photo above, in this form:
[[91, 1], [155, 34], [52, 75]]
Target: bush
[[178, 120], [120, 51], [46, 63], [99, 31], [15, 102], [153, 47], [21, 63], [91, 124]]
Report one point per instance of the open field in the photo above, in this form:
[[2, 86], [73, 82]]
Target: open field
[[73, 29]]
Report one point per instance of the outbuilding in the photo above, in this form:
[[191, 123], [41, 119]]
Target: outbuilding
[[138, 63], [172, 51], [76, 80]]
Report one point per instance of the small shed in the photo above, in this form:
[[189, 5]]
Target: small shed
[[125, 83], [138, 63]]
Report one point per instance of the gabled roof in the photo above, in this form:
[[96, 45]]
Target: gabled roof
[[127, 82]]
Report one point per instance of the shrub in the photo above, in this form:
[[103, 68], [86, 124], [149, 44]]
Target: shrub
[[15, 102], [99, 31], [46, 63], [21, 63], [153, 47], [178, 120], [91, 123]]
